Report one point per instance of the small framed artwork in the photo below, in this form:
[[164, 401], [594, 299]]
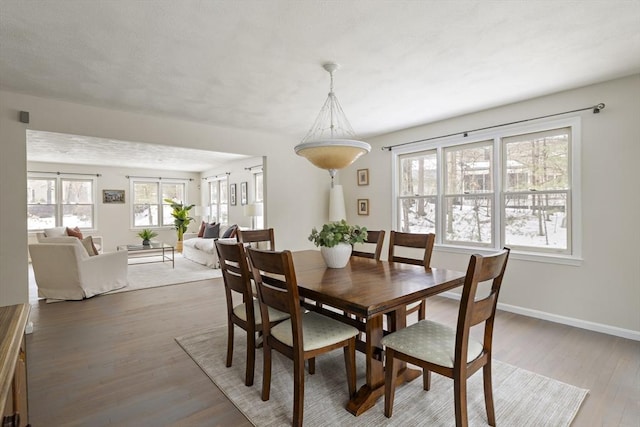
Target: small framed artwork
[[232, 194], [363, 206], [243, 193], [363, 176], [112, 196]]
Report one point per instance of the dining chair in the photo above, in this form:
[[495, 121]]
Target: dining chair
[[304, 335], [451, 351], [374, 237], [415, 241], [237, 281], [258, 236]]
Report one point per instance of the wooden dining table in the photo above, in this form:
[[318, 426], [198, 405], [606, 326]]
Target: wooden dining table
[[360, 294]]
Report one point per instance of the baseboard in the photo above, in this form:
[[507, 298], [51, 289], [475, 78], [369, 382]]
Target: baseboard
[[578, 323]]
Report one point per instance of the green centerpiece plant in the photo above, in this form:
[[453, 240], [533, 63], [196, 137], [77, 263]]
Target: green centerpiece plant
[[336, 240], [146, 235]]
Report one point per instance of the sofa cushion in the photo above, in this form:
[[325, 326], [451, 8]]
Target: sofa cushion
[[201, 230], [87, 242], [211, 231], [230, 232], [55, 232], [75, 232]]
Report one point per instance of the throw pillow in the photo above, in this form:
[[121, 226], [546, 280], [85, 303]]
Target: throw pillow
[[87, 242], [230, 232], [201, 231], [211, 231], [75, 232], [55, 232]]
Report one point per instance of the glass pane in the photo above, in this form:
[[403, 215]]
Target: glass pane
[[468, 220], [539, 162], [77, 191], [41, 191], [419, 175], [145, 214], [537, 220], [145, 193], [259, 189], [224, 191], [469, 169], [173, 191], [77, 216], [40, 217], [224, 214], [418, 215], [167, 218]]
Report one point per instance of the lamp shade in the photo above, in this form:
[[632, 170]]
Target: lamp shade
[[253, 209], [337, 210], [332, 153]]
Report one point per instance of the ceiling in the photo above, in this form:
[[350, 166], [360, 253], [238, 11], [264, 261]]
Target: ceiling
[[257, 64]]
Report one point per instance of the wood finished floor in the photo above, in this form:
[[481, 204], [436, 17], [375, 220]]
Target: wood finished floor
[[112, 360]]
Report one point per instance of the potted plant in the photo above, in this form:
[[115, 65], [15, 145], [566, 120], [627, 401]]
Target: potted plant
[[336, 241], [181, 219], [146, 235]]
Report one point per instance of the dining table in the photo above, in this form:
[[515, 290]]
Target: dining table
[[362, 294]]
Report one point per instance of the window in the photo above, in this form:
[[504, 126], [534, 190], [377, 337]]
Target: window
[[219, 200], [513, 188], [148, 205], [60, 202], [259, 191]]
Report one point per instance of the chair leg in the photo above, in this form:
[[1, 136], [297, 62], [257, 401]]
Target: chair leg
[[460, 397], [251, 357], [266, 375], [488, 394], [422, 310], [350, 363], [389, 383], [312, 366], [229, 343], [426, 380], [298, 389]]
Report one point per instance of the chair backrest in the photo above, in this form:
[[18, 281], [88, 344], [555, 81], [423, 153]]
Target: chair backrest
[[257, 236], [235, 274], [376, 238], [411, 240], [275, 278], [472, 311]]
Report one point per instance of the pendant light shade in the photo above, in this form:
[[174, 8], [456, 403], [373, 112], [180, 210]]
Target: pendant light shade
[[331, 143]]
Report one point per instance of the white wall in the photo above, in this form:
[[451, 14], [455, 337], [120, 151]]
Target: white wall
[[603, 293], [292, 184]]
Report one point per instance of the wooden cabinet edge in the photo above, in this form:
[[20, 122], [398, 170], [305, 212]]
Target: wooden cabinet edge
[[13, 321]]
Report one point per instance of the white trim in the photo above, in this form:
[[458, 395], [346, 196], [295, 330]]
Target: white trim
[[555, 318]]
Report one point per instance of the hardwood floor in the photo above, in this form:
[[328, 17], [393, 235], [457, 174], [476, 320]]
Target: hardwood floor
[[112, 360]]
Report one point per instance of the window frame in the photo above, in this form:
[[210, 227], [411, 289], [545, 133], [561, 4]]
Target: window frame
[[573, 255], [58, 205], [215, 212], [160, 202]]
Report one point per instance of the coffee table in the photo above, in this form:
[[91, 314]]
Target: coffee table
[[147, 251]]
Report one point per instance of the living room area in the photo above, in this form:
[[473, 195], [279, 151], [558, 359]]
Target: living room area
[[111, 190]]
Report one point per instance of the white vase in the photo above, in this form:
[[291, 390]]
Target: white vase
[[337, 256]]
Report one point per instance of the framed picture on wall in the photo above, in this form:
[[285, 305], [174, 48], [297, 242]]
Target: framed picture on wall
[[363, 176], [363, 206], [243, 193], [232, 194], [112, 196]]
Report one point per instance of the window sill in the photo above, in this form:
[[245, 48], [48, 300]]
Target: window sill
[[546, 258]]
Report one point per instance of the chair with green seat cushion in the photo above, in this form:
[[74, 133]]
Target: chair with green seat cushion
[[451, 351], [237, 279], [304, 335]]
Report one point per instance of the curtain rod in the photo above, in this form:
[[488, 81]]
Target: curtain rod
[[216, 176], [253, 167], [158, 177], [595, 108], [67, 173]]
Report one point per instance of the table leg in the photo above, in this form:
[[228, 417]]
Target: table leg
[[367, 396]]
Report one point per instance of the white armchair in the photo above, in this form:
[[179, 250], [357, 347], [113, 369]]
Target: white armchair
[[97, 240], [66, 271]]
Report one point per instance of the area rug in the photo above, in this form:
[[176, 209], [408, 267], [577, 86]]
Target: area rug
[[143, 275], [521, 398]]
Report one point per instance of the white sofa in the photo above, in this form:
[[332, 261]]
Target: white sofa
[[64, 270], [61, 232], [201, 250]]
